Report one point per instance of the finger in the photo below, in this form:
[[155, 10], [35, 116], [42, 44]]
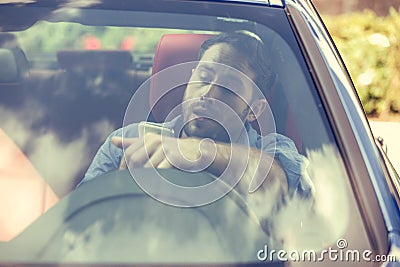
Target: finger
[[130, 143], [154, 159], [123, 142], [164, 164], [122, 164], [139, 153], [133, 144], [137, 158]]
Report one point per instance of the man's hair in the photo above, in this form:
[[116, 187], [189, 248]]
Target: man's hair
[[250, 47]]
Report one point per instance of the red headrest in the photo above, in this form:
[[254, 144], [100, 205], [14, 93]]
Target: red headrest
[[172, 49]]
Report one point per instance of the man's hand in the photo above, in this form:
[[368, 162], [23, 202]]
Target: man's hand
[[156, 151], [253, 168], [193, 154]]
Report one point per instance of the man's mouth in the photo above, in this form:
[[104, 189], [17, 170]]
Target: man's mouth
[[200, 112]]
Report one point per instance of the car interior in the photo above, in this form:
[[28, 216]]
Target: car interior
[[57, 116], [95, 86]]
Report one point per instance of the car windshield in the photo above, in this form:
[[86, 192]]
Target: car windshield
[[72, 75]]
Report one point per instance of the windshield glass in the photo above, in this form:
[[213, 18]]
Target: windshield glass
[[80, 82]]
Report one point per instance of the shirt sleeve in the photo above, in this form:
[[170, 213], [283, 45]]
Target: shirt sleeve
[[293, 163], [109, 156], [106, 159]]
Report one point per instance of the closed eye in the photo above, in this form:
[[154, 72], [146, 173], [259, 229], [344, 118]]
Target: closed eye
[[205, 76]]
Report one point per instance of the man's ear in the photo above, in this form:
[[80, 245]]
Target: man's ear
[[256, 108]]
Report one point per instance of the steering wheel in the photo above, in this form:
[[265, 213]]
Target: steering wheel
[[110, 219]]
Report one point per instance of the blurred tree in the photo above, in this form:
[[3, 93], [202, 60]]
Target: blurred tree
[[337, 7], [371, 51]]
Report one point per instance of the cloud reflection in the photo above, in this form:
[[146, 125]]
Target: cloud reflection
[[314, 223], [141, 229], [60, 161]]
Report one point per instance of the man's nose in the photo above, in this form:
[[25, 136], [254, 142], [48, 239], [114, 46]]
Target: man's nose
[[211, 91]]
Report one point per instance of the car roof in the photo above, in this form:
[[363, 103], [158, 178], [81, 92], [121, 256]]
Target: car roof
[[277, 3], [272, 3]]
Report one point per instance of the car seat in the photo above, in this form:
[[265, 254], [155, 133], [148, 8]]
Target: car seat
[[14, 70], [24, 194]]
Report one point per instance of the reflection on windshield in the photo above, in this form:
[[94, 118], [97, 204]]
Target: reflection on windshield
[[145, 230], [75, 99], [49, 152], [306, 224], [24, 193]]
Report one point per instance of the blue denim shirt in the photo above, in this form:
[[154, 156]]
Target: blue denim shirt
[[284, 150]]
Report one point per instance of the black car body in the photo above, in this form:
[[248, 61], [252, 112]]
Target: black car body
[[65, 85]]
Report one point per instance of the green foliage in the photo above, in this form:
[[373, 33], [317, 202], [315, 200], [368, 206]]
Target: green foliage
[[370, 47], [46, 37]]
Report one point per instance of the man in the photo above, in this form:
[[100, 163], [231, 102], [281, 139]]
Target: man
[[214, 133]]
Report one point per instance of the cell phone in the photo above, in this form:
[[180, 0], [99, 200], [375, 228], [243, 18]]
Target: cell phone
[[150, 127]]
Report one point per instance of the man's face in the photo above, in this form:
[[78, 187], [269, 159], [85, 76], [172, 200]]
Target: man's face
[[217, 96]]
